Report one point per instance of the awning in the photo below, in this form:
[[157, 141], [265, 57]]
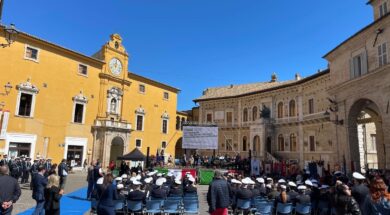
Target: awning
[[135, 155]]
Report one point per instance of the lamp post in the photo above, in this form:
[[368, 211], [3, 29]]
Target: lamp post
[[1, 9], [10, 33]]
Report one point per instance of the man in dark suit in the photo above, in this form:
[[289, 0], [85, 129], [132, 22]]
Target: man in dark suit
[[4, 161], [10, 191], [39, 184], [63, 173]]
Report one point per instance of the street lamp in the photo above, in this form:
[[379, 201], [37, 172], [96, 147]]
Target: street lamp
[[10, 34], [7, 88]]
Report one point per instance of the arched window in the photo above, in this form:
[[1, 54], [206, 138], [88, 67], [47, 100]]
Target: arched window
[[113, 105], [177, 123], [280, 110], [293, 142], [281, 142], [183, 120], [292, 111], [256, 144], [245, 117], [244, 144], [254, 113]]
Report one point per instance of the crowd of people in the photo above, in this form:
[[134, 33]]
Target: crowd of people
[[46, 180], [338, 196], [134, 185]]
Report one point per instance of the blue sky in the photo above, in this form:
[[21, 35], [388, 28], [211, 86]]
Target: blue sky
[[195, 44]]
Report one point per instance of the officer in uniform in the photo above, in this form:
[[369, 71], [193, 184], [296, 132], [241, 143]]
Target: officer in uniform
[[245, 193], [291, 191], [159, 192], [234, 187], [33, 171], [190, 188], [4, 161], [359, 191], [261, 186], [137, 194], [302, 197], [176, 189]]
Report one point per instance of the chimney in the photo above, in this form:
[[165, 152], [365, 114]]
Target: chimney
[[297, 77]]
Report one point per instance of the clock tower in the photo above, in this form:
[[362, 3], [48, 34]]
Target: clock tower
[[111, 130]]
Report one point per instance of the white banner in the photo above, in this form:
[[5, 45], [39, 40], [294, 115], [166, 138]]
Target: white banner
[[198, 137]]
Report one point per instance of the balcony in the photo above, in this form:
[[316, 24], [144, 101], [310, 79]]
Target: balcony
[[109, 124], [320, 116], [286, 120]]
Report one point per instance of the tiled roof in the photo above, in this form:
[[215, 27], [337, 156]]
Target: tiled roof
[[237, 90], [249, 89]]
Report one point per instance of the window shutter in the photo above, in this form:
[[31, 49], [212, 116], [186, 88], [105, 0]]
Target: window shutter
[[351, 71], [364, 63]]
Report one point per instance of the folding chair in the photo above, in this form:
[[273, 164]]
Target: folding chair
[[134, 206], [191, 206], [153, 206], [303, 209], [171, 206], [264, 208], [284, 208]]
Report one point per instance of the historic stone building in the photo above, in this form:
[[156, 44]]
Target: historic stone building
[[59, 103], [339, 115]]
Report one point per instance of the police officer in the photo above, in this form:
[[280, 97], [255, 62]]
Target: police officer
[[137, 194], [159, 192], [359, 191], [291, 186], [176, 189], [302, 197], [190, 188]]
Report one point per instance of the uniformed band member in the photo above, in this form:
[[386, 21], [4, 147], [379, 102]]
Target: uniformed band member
[[360, 190], [190, 188], [137, 194]]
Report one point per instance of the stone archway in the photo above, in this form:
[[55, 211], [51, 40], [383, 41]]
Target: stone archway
[[365, 136], [179, 148], [117, 148]]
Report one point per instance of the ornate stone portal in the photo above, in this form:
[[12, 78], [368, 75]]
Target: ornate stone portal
[[111, 140]]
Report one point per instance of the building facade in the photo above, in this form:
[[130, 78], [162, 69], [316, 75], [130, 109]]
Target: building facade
[[59, 103], [339, 115]]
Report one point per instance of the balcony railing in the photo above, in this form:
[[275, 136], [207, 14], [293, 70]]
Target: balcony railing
[[112, 124]]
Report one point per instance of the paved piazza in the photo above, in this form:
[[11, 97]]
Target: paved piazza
[[77, 181]]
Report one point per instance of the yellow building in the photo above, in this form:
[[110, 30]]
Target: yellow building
[[59, 103]]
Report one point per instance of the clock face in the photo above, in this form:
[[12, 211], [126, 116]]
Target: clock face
[[115, 66]]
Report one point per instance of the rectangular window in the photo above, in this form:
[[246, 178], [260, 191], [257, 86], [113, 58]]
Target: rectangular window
[[312, 143], [25, 104], [358, 65], [229, 117], [382, 9], [31, 53], [138, 143], [311, 106], [209, 117], [166, 95], [382, 54], [78, 113], [373, 143], [229, 143], [141, 88], [83, 69], [165, 126], [163, 144], [140, 122]]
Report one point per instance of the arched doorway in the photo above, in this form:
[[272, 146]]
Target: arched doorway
[[256, 145], [117, 148], [269, 145], [179, 148], [366, 136]]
